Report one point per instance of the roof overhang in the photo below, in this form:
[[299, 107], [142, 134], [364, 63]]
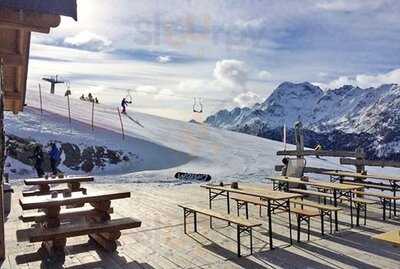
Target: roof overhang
[[16, 26]]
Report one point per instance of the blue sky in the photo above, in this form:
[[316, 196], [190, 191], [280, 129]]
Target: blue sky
[[229, 53]]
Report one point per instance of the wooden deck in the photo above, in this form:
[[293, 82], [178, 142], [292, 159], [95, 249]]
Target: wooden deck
[[161, 243]]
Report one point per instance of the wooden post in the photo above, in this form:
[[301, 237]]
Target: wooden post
[[93, 115], [299, 137], [2, 159], [122, 125], [360, 156], [40, 97]]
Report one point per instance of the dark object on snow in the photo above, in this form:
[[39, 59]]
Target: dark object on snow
[[235, 185], [38, 160], [192, 176], [55, 157]]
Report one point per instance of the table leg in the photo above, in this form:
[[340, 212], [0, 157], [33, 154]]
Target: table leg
[[55, 249], [210, 204], [269, 224], [351, 209], [384, 209], [322, 223], [228, 205], [106, 240], [290, 222], [336, 213]]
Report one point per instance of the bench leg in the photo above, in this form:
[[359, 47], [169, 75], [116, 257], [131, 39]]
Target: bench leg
[[322, 223], [330, 222], [336, 213], [270, 225], [228, 206], [195, 221], [358, 215], [390, 208], [290, 222], [251, 240], [184, 221], [365, 214], [260, 210], [238, 208], [238, 240], [384, 209], [247, 210], [308, 228], [298, 227], [351, 209]]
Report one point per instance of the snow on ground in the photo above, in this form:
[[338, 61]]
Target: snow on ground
[[162, 146]]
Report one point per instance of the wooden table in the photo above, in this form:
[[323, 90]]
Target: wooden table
[[72, 181], [394, 182], [392, 237], [101, 201], [275, 200], [338, 190]]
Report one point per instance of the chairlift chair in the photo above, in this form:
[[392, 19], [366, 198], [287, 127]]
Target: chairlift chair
[[200, 104]]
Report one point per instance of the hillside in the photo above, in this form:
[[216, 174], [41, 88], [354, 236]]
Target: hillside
[[156, 147], [343, 118]]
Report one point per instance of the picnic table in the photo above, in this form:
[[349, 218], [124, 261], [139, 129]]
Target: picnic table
[[338, 190], [276, 200], [392, 237], [73, 182], [394, 182], [97, 223]]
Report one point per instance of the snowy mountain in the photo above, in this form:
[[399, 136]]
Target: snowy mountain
[[342, 118]]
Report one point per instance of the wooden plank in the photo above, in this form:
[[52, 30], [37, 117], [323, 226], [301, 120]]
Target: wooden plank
[[72, 230], [305, 212], [326, 153], [315, 205], [65, 214], [359, 175], [208, 212], [392, 237], [46, 201], [347, 161], [43, 181], [307, 169], [257, 192], [12, 59], [315, 183], [28, 20], [58, 190]]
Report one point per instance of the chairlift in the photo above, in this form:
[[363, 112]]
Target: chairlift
[[200, 104]]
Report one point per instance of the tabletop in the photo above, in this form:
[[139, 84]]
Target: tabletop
[[359, 175], [46, 201], [257, 192], [315, 183], [70, 179], [392, 237]]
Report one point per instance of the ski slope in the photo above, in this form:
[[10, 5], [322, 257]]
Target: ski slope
[[163, 146]]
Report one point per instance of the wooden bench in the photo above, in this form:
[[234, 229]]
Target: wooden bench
[[386, 200], [65, 214], [361, 204], [370, 185], [245, 200], [243, 225], [304, 215], [104, 233], [325, 210], [58, 190]]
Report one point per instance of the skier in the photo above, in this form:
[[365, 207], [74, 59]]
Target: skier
[[124, 104], [285, 162], [90, 97], [96, 100], [38, 160], [55, 157], [82, 97]]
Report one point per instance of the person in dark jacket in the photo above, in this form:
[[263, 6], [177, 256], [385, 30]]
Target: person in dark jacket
[[124, 104], [55, 157], [38, 160]]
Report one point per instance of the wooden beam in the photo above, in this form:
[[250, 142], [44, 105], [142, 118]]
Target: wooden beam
[[347, 161], [278, 168], [12, 59], [327, 153], [28, 20]]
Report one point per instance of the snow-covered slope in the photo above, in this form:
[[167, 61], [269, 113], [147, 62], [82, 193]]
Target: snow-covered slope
[[162, 146]]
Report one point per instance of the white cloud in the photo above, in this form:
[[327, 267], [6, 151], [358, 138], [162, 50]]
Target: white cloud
[[164, 59], [348, 6], [247, 99], [166, 94], [88, 41], [232, 73], [147, 89], [363, 80], [264, 75]]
